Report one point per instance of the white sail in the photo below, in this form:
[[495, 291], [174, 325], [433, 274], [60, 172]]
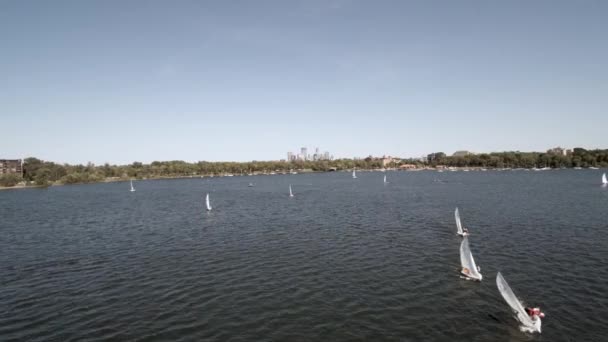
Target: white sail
[[521, 315], [384, 178], [469, 268], [458, 224], [290, 192], [208, 203], [132, 188], [604, 180], [354, 174]]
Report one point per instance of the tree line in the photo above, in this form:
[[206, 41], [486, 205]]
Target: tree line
[[579, 157], [44, 173]]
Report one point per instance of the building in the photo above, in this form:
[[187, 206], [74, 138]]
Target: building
[[558, 150], [461, 154], [289, 156], [317, 155], [304, 153], [11, 166], [387, 160]]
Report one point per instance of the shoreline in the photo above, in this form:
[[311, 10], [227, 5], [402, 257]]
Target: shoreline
[[436, 169]]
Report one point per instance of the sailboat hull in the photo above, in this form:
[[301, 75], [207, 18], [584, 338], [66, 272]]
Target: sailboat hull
[[468, 277]]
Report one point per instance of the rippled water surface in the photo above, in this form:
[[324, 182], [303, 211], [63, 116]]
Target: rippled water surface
[[345, 259]]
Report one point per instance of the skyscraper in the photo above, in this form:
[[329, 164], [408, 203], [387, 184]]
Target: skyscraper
[[304, 153]]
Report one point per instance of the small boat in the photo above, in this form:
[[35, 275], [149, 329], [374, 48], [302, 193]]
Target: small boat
[[459, 230], [251, 185], [469, 270], [354, 174], [593, 168], [208, 203], [529, 323], [290, 192], [604, 180], [385, 179], [132, 188]]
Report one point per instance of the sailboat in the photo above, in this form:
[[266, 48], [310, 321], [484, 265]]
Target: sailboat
[[354, 173], [469, 270], [132, 188], [208, 203], [604, 180], [528, 323], [460, 231], [385, 179], [290, 192]]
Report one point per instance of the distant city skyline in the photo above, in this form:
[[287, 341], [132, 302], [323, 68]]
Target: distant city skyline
[[303, 155], [141, 81]]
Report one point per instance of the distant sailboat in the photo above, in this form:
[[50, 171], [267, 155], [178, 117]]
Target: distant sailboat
[[354, 173], [459, 230], [290, 192], [469, 269], [528, 323], [132, 188], [385, 179], [604, 180], [208, 203]]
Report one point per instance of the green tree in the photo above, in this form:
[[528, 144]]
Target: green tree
[[10, 179], [43, 176]]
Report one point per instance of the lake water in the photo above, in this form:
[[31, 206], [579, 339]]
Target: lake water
[[344, 260]]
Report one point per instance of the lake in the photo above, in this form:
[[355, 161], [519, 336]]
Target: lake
[[344, 260]]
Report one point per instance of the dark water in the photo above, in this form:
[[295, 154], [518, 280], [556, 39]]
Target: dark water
[[343, 260]]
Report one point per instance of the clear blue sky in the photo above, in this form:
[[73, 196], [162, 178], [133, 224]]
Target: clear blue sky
[[119, 81]]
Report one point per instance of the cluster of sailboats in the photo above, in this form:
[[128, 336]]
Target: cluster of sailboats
[[208, 205], [529, 318]]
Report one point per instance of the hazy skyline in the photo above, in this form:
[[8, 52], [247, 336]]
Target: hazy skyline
[[114, 81]]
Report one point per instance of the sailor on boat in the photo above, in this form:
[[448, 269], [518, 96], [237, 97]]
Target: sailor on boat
[[535, 313], [467, 272]]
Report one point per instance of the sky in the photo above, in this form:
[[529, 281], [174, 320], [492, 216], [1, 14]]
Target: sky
[[123, 81]]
